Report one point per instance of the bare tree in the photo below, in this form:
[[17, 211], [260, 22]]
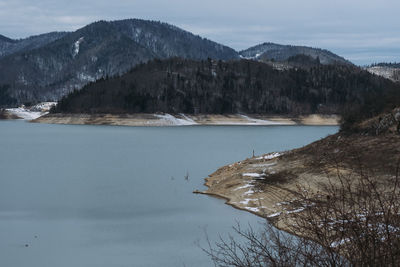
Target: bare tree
[[353, 221]]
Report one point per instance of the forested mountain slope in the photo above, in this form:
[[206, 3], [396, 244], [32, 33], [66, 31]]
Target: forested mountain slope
[[245, 86], [49, 66]]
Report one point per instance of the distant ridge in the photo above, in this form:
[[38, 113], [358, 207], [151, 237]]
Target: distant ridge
[[278, 52]]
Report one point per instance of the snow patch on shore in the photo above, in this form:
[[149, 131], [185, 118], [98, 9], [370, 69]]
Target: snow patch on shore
[[24, 113], [186, 118], [339, 243], [244, 186], [274, 214], [246, 201], [249, 192], [270, 156], [253, 121], [295, 211], [33, 112], [171, 120], [253, 209], [255, 175]]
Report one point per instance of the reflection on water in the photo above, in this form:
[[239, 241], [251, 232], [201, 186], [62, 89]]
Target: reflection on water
[[121, 196]]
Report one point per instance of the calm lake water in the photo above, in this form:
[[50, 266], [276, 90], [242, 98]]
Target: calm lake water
[[117, 196]]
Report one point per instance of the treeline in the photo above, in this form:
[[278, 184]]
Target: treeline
[[371, 104], [390, 65], [217, 87], [5, 99]]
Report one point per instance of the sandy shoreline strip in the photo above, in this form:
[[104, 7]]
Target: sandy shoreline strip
[[184, 119]]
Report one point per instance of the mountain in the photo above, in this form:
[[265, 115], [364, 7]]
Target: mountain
[[49, 66], [277, 52], [166, 41], [218, 87]]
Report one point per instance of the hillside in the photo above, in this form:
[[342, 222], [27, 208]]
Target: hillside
[[217, 87], [4, 39], [278, 52], [49, 66], [341, 192]]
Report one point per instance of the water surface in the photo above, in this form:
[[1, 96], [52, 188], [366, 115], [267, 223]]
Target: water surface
[[117, 196]]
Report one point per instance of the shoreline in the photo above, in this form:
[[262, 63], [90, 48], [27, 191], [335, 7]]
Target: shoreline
[[271, 185], [154, 120], [237, 185]]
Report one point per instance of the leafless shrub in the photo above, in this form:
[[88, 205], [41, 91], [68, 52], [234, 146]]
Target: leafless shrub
[[270, 247], [353, 221]]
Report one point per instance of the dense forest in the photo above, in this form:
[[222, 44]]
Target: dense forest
[[5, 98], [217, 87]]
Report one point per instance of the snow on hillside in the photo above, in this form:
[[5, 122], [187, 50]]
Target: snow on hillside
[[386, 72], [77, 46]]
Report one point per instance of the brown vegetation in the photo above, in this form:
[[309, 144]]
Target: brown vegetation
[[355, 221], [341, 192]]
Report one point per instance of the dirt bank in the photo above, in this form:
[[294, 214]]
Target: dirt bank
[[182, 119]]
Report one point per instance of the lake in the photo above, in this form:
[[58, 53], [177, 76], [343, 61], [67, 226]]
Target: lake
[[117, 196]]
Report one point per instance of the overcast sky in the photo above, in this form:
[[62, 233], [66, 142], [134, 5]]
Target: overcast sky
[[363, 31]]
